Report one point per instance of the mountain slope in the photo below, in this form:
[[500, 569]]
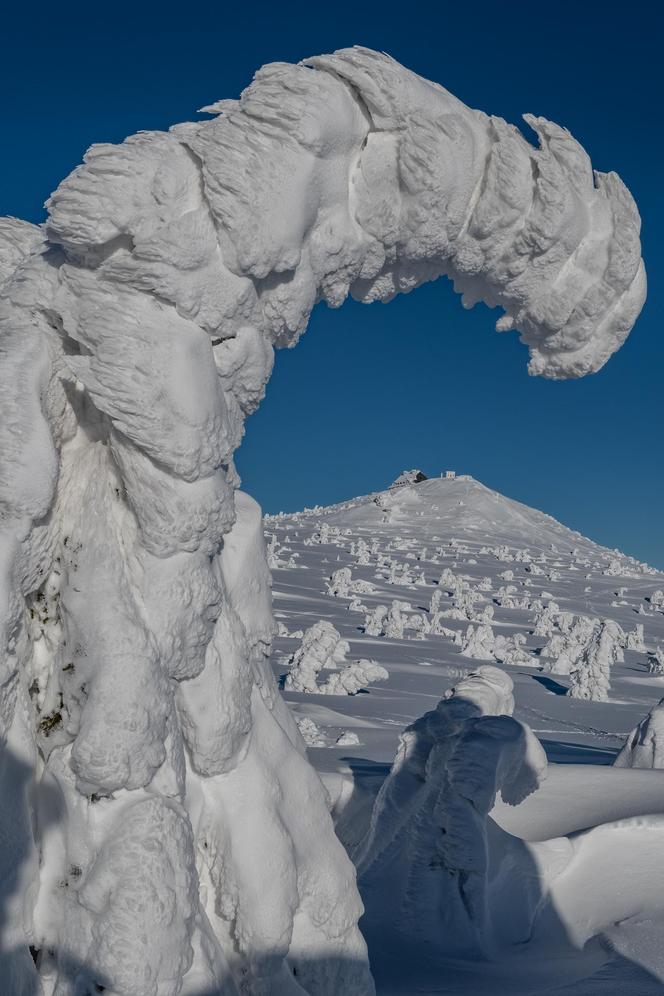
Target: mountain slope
[[459, 506], [457, 557]]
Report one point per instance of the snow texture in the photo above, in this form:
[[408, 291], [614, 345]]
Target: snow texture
[[555, 889], [137, 330]]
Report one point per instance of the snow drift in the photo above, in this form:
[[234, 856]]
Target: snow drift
[[137, 330]]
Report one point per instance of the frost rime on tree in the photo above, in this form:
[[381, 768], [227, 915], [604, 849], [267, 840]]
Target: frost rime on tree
[[644, 747], [137, 331], [449, 767], [321, 647], [591, 673]]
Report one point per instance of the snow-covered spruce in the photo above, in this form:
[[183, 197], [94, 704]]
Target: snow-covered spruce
[[644, 747], [137, 331], [568, 644], [321, 647], [590, 674]]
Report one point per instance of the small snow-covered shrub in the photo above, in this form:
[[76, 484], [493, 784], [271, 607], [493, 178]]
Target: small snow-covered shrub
[[373, 623], [353, 678], [509, 650], [310, 733], [339, 584], [656, 661], [348, 739], [478, 643], [321, 647], [634, 640]]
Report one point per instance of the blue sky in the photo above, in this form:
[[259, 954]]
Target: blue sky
[[371, 390]]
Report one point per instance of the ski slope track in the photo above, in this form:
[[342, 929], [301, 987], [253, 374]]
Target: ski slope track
[[164, 833]]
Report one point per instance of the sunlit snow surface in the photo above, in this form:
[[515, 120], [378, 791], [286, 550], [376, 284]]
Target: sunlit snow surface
[[475, 533], [187, 846]]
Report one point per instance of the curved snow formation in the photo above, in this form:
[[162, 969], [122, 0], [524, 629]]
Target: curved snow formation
[[480, 872], [137, 333], [431, 813]]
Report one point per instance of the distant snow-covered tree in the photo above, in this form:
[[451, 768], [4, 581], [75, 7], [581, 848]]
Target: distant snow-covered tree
[[644, 747], [591, 673]]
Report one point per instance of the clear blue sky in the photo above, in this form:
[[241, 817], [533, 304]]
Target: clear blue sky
[[372, 390]]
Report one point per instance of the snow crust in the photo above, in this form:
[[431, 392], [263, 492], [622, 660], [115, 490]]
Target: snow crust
[[137, 330]]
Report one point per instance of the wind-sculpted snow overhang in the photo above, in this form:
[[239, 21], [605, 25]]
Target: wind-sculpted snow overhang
[[350, 174], [534, 231]]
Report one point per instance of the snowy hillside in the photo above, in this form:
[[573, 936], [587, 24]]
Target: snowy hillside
[[427, 582], [163, 832]]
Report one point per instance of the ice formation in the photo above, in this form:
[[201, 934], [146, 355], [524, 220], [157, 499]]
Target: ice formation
[[137, 333]]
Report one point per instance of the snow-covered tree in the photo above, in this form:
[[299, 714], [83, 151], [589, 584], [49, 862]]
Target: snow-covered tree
[[138, 333], [634, 640], [363, 553], [478, 643], [566, 647], [509, 650], [340, 582], [321, 647], [353, 678], [373, 623], [591, 672], [310, 732], [545, 620], [644, 747], [394, 621], [656, 661]]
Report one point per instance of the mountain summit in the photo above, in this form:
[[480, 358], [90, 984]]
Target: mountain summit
[[458, 506]]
